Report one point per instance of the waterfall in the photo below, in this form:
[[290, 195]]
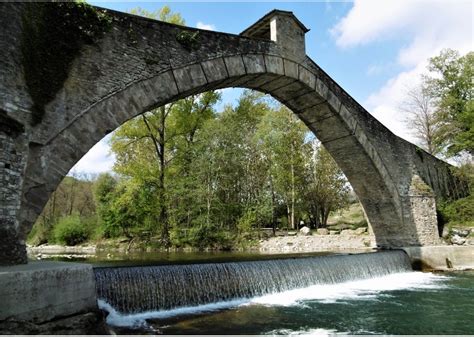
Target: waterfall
[[140, 289]]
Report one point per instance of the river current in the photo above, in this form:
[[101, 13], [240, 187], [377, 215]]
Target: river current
[[369, 299]]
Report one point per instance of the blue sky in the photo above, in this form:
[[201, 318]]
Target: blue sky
[[374, 49]]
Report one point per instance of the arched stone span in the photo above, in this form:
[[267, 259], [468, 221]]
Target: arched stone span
[[141, 64]]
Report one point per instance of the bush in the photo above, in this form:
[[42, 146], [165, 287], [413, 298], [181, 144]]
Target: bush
[[40, 234], [209, 236], [70, 231], [459, 212]]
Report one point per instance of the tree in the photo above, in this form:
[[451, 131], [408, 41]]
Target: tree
[[146, 134], [325, 188], [450, 82], [422, 120], [104, 189], [162, 14], [283, 142]]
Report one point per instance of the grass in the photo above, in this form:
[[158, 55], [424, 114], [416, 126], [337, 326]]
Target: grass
[[351, 217]]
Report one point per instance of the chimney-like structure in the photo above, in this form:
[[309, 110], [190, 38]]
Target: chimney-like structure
[[285, 29]]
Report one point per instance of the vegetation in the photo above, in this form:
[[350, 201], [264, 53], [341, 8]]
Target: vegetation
[[441, 115], [351, 217], [441, 109], [186, 175], [70, 231]]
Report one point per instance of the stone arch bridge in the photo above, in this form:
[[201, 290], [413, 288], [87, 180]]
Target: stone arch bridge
[[63, 88]]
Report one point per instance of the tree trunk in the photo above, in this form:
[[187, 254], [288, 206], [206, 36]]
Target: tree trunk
[[292, 193], [165, 236], [273, 206]]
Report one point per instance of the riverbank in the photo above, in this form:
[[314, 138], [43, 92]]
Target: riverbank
[[315, 243], [442, 257], [288, 242]]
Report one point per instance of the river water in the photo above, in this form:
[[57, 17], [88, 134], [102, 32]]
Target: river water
[[323, 295]]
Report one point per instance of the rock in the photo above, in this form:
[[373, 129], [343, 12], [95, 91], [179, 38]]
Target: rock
[[457, 240], [292, 233], [461, 232], [322, 231], [470, 242], [348, 232], [445, 232], [360, 230], [91, 323], [305, 230], [333, 232]]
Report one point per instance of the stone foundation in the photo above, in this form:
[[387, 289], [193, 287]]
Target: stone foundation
[[42, 295], [90, 323], [443, 258]]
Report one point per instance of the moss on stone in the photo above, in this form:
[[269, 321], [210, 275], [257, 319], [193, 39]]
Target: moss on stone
[[189, 40], [53, 34], [419, 186]]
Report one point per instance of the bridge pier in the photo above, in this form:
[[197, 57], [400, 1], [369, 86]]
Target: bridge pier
[[13, 146], [421, 203]]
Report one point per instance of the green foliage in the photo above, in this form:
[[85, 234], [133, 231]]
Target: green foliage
[[460, 212], [70, 231], [209, 236], [40, 234], [74, 196], [70, 25], [326, 188], [451, 83], [162, 14], [189, 40], [105, 193]]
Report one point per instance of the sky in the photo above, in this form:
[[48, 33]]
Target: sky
[[376, 50]]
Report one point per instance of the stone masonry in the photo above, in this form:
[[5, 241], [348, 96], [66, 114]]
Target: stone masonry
[[51, 114]]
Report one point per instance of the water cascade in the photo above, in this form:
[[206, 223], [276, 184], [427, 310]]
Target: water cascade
[[139, 289]]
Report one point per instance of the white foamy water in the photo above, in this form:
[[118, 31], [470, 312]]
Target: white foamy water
[[136, 320], [327, 293], [308, 332], [361, 289]]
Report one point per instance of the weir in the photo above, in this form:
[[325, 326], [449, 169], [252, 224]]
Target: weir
[[139, 289]]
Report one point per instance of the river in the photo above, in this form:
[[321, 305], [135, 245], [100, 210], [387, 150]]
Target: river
[[310, 295]]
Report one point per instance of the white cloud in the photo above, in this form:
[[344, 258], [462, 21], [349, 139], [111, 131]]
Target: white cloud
[[430, 27], [97, 160], [202, 25]]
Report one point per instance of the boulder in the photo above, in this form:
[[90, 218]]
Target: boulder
[[457, 240], [360, 230], [322, 231], [333, 232], [460, 232], [348, 232], [446, 232], [305, 230]]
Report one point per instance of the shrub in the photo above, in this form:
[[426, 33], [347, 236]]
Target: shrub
[[40, 234], [209, 236], [70, 231], [458, 212]]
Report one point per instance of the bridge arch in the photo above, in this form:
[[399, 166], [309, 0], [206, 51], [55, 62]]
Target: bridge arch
[[141, 64], [293, 84]]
